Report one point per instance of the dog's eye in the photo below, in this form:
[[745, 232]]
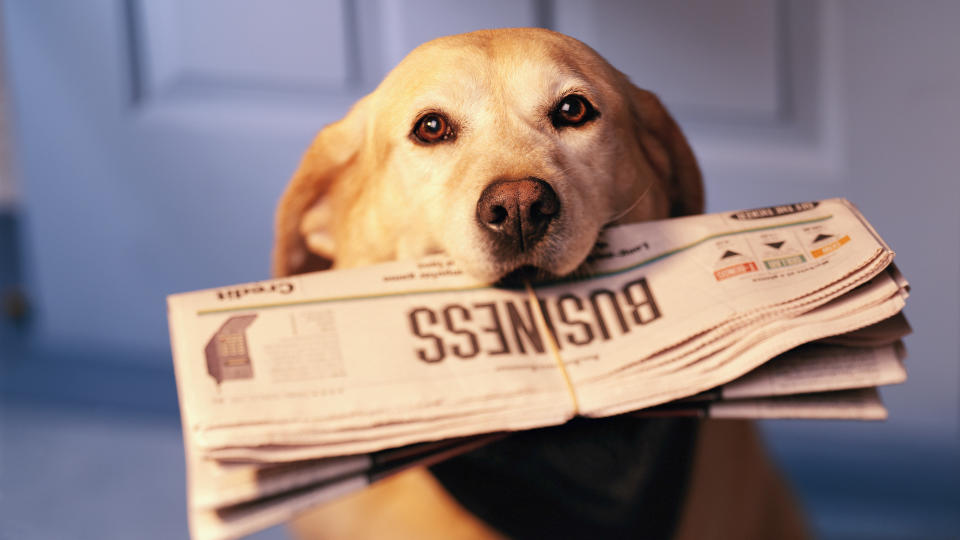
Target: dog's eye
[[432, 127], [573, 110]]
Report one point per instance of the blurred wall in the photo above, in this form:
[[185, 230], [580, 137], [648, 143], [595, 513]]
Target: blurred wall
[[153, 139], [8, 191]]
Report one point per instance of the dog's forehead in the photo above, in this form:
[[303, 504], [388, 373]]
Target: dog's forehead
[[520, 66]]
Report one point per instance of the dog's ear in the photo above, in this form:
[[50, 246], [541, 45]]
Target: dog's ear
[[303, 239], [669, 153]]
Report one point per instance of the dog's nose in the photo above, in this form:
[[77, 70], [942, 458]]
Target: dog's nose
[[518, 211]]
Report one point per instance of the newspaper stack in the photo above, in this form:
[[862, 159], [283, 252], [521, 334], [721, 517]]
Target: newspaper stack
[[297, 390]]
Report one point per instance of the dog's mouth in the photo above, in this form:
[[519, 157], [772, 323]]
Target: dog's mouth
[[517, 278], [528, 273], [535, 273]]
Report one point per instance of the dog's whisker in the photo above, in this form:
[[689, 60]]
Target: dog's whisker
[[633, 205]]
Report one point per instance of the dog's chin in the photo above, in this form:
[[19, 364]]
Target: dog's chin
[[516, 273], [517, 277]]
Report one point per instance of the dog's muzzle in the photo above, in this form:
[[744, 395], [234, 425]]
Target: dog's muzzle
[[517, 213]]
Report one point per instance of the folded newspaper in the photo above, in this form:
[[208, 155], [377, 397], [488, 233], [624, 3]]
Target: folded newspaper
[[295, 391]]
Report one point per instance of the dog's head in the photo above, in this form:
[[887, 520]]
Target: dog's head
[[504, 148]]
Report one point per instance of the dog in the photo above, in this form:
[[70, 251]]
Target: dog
[[510, 150], [525, 121]]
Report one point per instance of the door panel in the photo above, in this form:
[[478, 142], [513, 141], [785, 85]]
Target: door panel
[[721, 60], [189, 48]]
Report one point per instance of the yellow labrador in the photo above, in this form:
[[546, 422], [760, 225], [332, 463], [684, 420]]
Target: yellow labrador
[[507, 149], [503, 148]]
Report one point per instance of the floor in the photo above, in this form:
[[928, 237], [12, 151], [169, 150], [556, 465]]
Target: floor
[[82, 473]]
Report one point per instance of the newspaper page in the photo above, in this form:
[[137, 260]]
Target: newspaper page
[[820, 368], [816, 367], [853, 404], [875, 300], [860, 404], [885, 332], [355, 361]]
